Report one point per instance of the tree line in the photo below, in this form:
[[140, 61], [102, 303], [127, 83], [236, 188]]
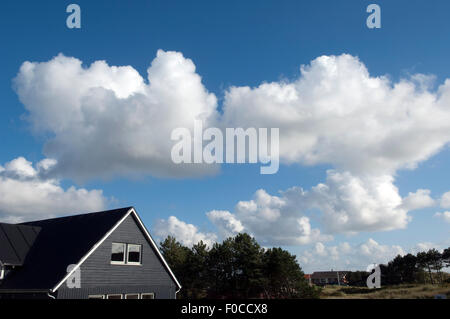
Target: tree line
[[236, 268], [240, 268], [424, 267]]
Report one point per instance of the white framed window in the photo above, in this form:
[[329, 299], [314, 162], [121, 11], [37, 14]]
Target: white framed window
[[149, 295], [114, 296], [132, 296], [96, 297], [134, 254], [118, 251]]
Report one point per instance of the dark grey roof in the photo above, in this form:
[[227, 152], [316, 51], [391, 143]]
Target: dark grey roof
[[60, 242], [15, 242]]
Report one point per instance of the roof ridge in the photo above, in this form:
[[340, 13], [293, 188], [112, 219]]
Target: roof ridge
[[76, 215]]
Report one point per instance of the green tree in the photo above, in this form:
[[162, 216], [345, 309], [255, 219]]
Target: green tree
[[197, 271], [359, 278], [176, 256], [446, 257], [284, 277], [410, 270], [402, 269], [431, 260], [435, 258], [236, 267], [220, 270], [248, 265]]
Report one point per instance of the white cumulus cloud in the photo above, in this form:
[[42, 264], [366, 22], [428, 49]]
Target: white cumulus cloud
[[26, 194], [106, 121], [345, 256], [273, 220], [418, 200], [337, 113], [352, 203], [445, 200], [228, 225], [343, 204], [187, 234]]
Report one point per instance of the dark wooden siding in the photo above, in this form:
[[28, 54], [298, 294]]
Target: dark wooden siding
[[99, 276]]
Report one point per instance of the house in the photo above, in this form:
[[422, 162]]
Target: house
[[103, 255], [322, 278], [308, 279]]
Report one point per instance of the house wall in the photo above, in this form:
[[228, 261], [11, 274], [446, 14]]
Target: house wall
[[99, 276]]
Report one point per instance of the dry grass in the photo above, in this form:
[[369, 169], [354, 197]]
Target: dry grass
[[424, 291]]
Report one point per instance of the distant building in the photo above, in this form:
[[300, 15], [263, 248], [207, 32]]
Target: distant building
[[322, 278], [308, 278], [112, 252]]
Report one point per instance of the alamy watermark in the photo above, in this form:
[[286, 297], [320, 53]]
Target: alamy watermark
[[74, 279], [374, 279], [241, 146], [374, 19], [73, 21]]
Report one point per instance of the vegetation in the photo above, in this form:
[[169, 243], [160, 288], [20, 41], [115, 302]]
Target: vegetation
[[423, 268], [405, 277], [240, 268], [405, 291], [236, 268]]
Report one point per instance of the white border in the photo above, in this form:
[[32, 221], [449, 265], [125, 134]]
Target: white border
[[82, 260]]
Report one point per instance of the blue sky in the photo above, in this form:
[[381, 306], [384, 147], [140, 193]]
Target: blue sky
[[234, 44]]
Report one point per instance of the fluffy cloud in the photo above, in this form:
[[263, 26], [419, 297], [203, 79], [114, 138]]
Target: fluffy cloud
[[227, 224], [273, 220], [352, 204], [445, 216], [105, 120], [336, 113], [418, 200], [185, 233], [347, 257], [25, 194], [366, 127], [343, 204], [424, 246], [445, 200]]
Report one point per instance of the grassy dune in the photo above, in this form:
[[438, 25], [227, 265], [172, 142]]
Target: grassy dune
[[424, 291]]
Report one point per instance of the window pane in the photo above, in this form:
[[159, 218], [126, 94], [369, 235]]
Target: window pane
[[118, 252], [114, 296], [96, 297], [148, 296], [132, 296], [134, 253]]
